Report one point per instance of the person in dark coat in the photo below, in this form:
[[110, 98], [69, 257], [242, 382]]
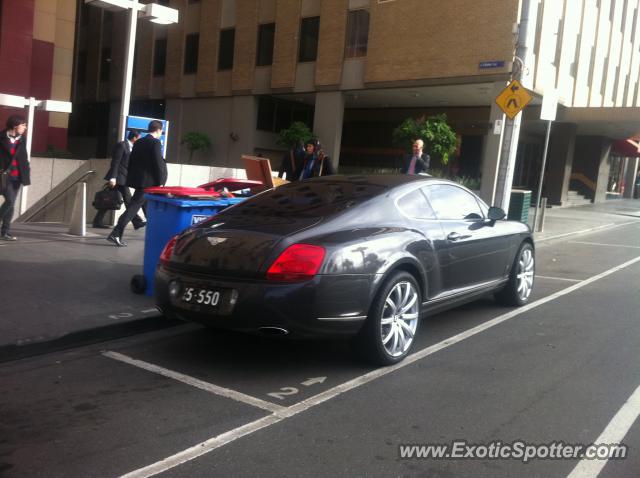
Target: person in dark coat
[[417, 162], [146, 169], [117, 177], [315, 163], [14, 161], [291, 163]]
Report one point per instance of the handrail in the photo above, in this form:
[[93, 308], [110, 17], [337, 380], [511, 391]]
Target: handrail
[[37, 211], [584, 180]]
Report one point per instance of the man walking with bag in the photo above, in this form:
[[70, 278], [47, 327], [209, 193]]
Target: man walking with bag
[[117, 177], [146, 169], [14, 170]]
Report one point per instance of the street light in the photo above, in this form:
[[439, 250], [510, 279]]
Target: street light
[[154, 13], [14, 101]]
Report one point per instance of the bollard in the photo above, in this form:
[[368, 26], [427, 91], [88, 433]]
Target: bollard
[[78, 226], [543, 212]]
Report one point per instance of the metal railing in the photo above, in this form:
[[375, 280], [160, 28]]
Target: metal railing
[[55, 198]]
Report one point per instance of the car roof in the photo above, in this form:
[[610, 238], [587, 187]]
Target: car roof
[[388, 180]]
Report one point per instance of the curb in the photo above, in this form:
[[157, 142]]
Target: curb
[[11, 352]]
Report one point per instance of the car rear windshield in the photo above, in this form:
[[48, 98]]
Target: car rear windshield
[[309, 199]]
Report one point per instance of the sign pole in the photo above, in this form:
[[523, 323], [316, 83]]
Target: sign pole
[[544, 164], [548, 113]]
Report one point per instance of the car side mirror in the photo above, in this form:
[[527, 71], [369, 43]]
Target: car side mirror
[[496, 214]]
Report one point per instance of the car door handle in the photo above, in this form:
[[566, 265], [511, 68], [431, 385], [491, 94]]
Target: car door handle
[[454, 236]]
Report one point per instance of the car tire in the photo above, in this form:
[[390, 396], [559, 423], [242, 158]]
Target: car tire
[[388, 336], [518, 289]]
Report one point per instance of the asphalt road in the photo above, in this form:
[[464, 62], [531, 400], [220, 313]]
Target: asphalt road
[[191, 402]]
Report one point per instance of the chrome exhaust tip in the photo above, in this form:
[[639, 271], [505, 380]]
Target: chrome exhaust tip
[[273, 331]]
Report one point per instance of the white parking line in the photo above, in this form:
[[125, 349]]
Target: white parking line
[[558, 278], [194, 382], [601, 244], [585, 231], [615, 432], [232, 435]]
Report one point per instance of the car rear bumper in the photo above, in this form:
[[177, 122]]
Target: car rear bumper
[[326, 306]]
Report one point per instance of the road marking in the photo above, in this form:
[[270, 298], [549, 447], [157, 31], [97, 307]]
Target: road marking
[[194, 382], [232, 435], [558, 278], [615, 432], [601, 244], [584, 231], [149, 311]]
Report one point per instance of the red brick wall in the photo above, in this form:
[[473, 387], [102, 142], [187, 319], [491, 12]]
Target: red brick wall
[[29, 64]]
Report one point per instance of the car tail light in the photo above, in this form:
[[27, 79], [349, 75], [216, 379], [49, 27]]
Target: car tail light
[[165, 257], [297, 263]]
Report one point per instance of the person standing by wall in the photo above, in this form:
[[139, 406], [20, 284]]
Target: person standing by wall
[[13, 160], [117, 177], [146, 169], [315, 163], [417, 162]]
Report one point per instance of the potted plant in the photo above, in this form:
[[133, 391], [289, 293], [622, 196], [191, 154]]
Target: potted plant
[[440, 141], [195, 142]]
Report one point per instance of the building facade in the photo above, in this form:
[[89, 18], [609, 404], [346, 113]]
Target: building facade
[[241, 70], [36, 60]]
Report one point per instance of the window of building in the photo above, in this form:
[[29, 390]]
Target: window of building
[[266, 36], [160, 57], [453, 203], [309, 30], [105, 64], [357, 33], [275, 114], [81, 73], [225, 54], [191, 53]]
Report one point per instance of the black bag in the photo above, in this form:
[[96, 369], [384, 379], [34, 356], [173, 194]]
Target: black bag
[[109, 199]]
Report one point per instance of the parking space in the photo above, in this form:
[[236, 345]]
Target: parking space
[[551, 371]]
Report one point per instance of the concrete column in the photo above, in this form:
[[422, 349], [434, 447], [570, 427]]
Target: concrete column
[[492, 148], [327, 123], [630, 177], [603, 171], [559, 162]]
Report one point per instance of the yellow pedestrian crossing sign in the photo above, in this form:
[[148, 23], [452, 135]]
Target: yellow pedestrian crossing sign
[[513, 99]]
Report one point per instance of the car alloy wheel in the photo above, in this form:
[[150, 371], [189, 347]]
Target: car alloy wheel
[[525, 273], [518, 288], [387, 335], [399, 319]]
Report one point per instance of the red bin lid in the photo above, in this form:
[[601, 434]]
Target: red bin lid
[[182, 191]]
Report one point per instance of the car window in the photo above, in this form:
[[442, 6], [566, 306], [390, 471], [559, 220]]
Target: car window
[[415, 205], [451, 202]]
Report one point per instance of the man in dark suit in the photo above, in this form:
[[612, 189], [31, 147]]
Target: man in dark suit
[[117, 177], [146, 169], [14, 163], [418, 162], [291, 163]]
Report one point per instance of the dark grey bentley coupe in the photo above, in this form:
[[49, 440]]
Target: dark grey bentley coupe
[[361, 256]]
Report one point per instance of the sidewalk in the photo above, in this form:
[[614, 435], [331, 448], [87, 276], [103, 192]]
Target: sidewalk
[[59, 291]]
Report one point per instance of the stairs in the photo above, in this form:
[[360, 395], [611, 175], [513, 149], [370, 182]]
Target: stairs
[[574, 198]]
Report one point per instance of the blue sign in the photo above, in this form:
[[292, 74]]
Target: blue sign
[[491, 64], [141, 124]]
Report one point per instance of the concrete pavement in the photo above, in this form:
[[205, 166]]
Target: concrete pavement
[[59, 291]]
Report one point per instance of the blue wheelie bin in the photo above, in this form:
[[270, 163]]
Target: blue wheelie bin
[[166, 217]]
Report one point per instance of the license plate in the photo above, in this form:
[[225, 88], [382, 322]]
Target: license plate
[[200, 296]]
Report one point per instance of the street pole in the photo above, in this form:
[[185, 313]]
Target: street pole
[[32, 103], [128, 69], [544, 164]]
